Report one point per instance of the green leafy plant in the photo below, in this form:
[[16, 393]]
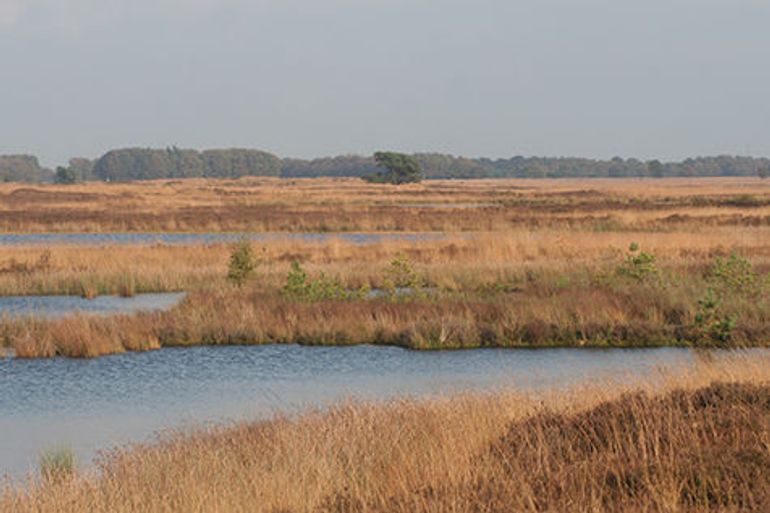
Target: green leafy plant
[[711, 321], [735, 275], [401, 276], [243, 263], [639, 265], [300, 286]]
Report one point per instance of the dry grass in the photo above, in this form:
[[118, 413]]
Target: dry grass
[[517, 289], [265, 205], [538, 268], [542, 312], [698, 442], [460, 260]]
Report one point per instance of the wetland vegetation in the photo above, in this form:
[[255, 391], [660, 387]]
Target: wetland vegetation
[[620, 263], [623, 263], [696, 442]]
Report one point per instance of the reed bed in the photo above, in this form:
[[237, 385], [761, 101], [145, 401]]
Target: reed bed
[[514, 290], [696, 441], [456, 261], [531, 307], [515, 269]]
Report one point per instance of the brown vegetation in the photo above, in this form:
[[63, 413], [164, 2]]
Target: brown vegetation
[[322, 205], [696, 443], [519, 289], [542, 266]]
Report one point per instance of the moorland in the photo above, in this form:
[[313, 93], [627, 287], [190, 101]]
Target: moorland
[[491, 263]]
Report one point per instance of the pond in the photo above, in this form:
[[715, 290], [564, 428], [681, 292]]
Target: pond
[[95, 404], [97, 239], [52, 307]]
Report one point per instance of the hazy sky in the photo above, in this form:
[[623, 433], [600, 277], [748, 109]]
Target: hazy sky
[[595, 78]]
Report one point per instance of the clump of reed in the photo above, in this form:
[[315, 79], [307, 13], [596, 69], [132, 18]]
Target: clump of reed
[[695, 442], [78, 336], [57, 464]]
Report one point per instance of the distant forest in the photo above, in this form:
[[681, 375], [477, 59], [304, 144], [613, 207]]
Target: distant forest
[[149, 164]]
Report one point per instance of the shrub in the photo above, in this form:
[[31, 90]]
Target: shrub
[[735, 275], [711, 322], [639, 265], [731, 280], [243, 263], [300, 287], [401, 276]]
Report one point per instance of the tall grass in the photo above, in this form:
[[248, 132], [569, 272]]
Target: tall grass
[[57, 464], [458, 262], [542, 309], [696, 442]]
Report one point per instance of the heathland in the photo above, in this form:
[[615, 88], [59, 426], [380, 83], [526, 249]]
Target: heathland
[[693, 442], [503, 263]]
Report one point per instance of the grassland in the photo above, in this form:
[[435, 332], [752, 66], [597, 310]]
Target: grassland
[[696, 441], [549, 264], [340, 205]]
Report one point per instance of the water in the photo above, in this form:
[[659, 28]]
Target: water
[[95, 404], [96, 239], [50, 307]]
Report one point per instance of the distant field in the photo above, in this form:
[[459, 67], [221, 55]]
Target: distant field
[[324, 205]]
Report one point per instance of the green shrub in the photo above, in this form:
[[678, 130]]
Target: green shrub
[[243, 263], [401, 275], [296, 282], [300, 287], [735, 275], [711, 323], [639, 265]]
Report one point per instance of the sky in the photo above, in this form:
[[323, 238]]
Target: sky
[[661, 79]]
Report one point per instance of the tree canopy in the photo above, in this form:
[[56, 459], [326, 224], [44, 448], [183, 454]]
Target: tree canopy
[[22, 168], [398, 168], [65, 175], [151, 164], [148, 164]]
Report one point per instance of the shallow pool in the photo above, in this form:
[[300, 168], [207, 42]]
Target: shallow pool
[[51, 307]]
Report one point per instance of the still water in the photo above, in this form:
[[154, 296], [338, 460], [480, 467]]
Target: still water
[[95, 404], [96, 239], [51, 307]]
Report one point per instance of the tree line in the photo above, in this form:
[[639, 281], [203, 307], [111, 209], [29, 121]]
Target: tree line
[[149, 164]]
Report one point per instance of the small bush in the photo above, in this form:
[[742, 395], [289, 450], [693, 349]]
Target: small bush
[[300, 287], [735, 275], [639, 265], [401, 275], [711, 322], [243, 263]]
